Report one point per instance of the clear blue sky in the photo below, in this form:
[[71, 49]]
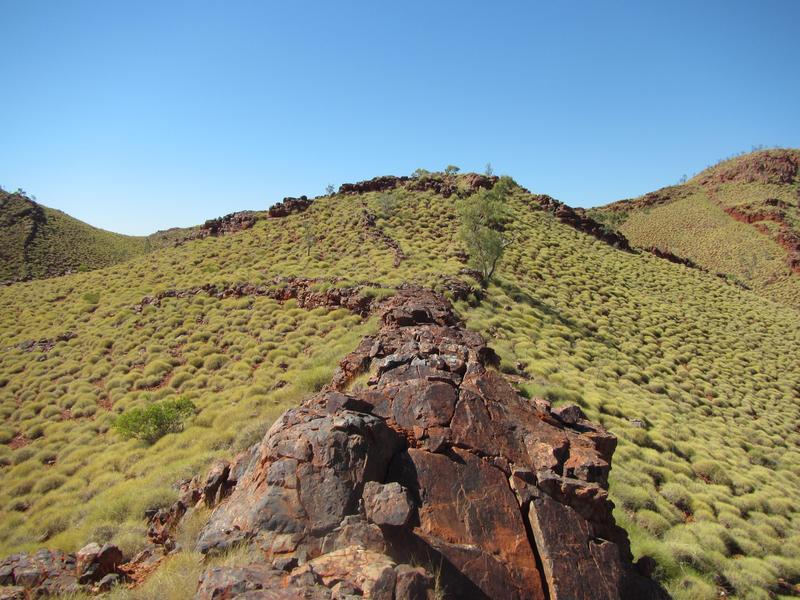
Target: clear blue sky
[[136, 116]]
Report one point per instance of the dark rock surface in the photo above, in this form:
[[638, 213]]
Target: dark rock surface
[[281, 289], [232, 223], [289, 206], [444, 185], [437, 462], [48, 573], [578, 219], [46, 344]]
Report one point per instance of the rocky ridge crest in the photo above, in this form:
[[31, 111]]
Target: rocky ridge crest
[[438, 462]]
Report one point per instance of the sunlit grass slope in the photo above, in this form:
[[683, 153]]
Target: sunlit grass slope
[[36, 242], [740, 218], [698, 378]]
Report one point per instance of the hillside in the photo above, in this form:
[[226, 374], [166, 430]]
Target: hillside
[[739, 218], [696, 377], [37, 242]]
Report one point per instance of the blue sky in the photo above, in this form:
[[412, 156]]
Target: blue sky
[[137, 116]]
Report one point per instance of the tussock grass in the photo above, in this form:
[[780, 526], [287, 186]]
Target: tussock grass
[[697, 378]]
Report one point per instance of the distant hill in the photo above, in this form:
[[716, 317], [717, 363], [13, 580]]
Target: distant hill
[[740, 218], [36, 242]]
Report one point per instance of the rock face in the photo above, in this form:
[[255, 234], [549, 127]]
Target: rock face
[[444, 185], [578, 219], [54, 573], [436, 462], [232, 223], [281, 289], [46, 344], [289, 206], [376, 184]]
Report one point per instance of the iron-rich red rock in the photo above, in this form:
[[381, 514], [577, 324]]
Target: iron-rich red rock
[[387, 503], [289, 206], [280, 289], [436, 461], [95, 561]]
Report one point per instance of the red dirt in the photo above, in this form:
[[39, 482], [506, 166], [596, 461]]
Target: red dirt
[[785, 237], [19, 441]]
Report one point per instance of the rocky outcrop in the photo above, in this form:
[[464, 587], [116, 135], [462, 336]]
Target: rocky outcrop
[[46, 344], [578, 219], [232, 223], [376, 184], [449, 185], [776, 166], [55, 573], [673, 258], [380, 236], [444, 185], [783, 234], [665, 195], [305, 291], [289, 206], [437, 462]]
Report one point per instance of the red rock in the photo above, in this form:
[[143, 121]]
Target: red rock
[[437, 457], [95, 562], [413, 583], [387, 504]]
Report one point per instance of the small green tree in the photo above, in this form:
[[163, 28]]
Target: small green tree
[[483, 216], [155, 421], [386, 204], [489, 171], [330, 190], [308, 235], [451, 170], [420, 173]]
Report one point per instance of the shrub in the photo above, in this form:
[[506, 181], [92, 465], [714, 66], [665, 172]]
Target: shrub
[[151, 423], [483, 218]]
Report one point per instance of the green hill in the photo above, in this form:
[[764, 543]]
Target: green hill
[[37, 242], [698, 378], [740, 218]]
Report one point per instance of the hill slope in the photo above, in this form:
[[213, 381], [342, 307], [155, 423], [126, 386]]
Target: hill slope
[[740, 218], [697, 378], [37, 242]]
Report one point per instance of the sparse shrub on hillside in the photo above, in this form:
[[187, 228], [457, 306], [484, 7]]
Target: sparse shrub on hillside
[[152, 423], [451, 170], [483, 217], [386, 204], [308, 235]]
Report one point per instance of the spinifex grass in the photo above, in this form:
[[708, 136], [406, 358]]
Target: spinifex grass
[[698, 378]]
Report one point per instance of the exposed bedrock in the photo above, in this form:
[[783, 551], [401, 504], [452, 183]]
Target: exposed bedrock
[[435, 473]]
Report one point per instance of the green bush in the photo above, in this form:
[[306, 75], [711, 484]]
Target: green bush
[[151, 423]]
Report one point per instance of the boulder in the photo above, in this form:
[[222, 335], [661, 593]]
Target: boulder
[[387, 504], [93, 562], [45, 572], [437, 462]]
